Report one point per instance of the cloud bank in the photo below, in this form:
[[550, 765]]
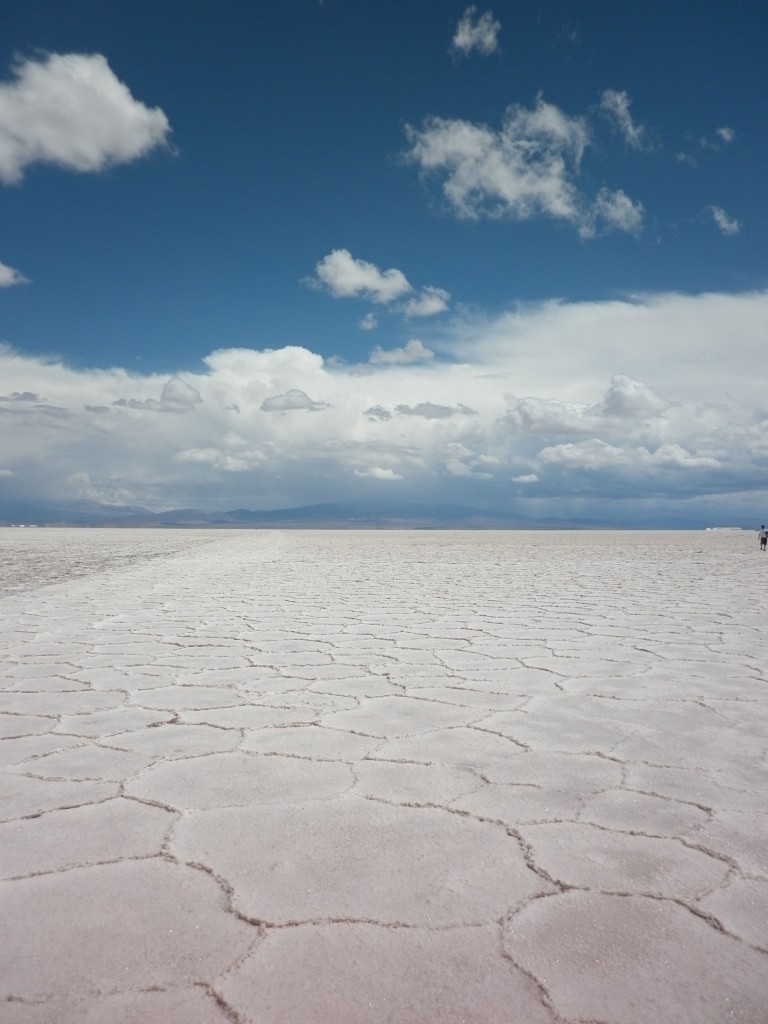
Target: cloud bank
[[548, 408]]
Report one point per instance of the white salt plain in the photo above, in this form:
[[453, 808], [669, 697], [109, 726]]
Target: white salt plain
[[383, 777]]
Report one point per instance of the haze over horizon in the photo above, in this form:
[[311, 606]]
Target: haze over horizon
[[275, 255]]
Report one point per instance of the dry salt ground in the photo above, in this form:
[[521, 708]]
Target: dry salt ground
[[401, 777]]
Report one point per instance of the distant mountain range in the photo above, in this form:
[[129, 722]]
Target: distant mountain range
[[331, 515]]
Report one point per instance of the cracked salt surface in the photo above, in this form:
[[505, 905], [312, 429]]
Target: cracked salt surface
[[383, 777]]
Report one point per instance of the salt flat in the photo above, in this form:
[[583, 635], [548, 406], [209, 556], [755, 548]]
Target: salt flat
[[383, 777]]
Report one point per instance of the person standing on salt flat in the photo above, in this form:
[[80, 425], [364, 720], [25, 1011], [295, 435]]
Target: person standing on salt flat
[[763, 537]]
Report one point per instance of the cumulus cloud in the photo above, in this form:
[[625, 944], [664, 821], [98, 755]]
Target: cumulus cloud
[[726, 134], [10, 277], [526, 169], [71, 110], [615, 210], [379, 473], [625, 399], [615, 104], [727, 225], [178, 393], [176, 396], [598, 455], [346, 277], [412, 352], [476, 32], [433, 411], [368, 322], [378, 412], [430, 302], [607, 410], [629, 398], [292, 400]]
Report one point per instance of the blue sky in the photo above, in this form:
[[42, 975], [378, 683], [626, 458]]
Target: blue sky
[[269, 254]]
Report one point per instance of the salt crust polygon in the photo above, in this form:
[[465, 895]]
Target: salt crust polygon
[[399, 716], [311, 741], [176, 740], [741, 907], [137, 924], [91, 834], [643, 720], [89, 761], [173, 1006], [590, 857], [240, 779], [364, 974], [359, 860], [24, 795], [630, 959]]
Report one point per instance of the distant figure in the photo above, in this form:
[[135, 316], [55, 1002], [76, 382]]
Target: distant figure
[[763, 537]]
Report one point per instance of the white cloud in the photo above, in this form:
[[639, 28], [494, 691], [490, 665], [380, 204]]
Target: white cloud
[[433, 411], [292, 400], [616, 210], [10, 277], [598, 455], [615, 105], [176, 396], [631, 398], [346, 277], [726, 224], [726, 134], [429, 303], [178, 393], [526, 169], [379, 473], [616, 401], [475, 32], [71, 110], [413, 352], [378, 412], [368, 322]]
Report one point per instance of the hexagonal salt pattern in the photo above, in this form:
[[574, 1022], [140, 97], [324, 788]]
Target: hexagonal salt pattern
[[416, 778]]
